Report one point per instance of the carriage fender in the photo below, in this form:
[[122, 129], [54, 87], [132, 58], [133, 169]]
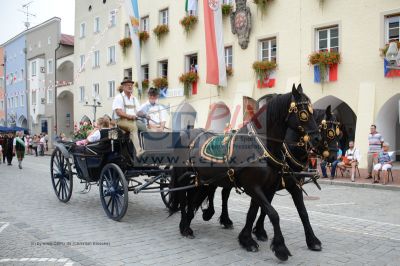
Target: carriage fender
[[63, 150]]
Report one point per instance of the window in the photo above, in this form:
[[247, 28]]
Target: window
[[111, 55], [128, 73], [392, 24], [227, 2], [21, 97], [113, 18], [15, 101], [111, 89], [96, 59], [145, 72], [1, 82], [8, 103], [127, 31], [49, 96], [228, 56], [164, 17], [81, 94], [22, 75], [144, 24], [50, 66], [328, 39], [82, 62], [267, 50], [2, 105], [34, 96], [82, 31], [96, 25], [191, 7], [163, 69], [49, 40], [96, 90], [191, 63], [33, 68]]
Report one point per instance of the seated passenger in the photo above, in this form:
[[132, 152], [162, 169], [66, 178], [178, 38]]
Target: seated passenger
[[384, 164], [155, 113], [94, 135]]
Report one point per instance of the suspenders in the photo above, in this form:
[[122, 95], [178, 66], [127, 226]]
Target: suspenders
[[127, 106]]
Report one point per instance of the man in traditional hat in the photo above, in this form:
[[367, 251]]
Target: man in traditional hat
[[125, 107]]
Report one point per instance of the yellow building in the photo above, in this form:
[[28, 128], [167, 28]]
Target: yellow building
[[287, 31]]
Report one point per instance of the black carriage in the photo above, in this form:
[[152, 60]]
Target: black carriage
[[110, 163]]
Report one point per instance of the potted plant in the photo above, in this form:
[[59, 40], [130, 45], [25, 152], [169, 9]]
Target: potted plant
[[263, 68], [83, 131], [226, 9], [322, 62], [188, 23], [125, 43], [188, 79], [229, 71], [262, 4], [160, 31], [145, 85], [160, 83], [143, 36]]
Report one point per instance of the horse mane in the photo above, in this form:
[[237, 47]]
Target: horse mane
[[319, 115]]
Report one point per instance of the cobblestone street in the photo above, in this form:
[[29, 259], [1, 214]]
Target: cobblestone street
[[357, 226]]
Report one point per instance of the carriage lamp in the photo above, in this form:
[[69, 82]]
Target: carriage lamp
[[113, 134], [393, 56]]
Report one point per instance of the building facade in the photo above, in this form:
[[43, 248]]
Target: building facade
[[44, 45], [288, 32], [2, 103], [15, 81]]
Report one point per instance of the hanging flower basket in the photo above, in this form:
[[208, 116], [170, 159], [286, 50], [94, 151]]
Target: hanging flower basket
[[160, 31], [160, 83], [324, 62], [188, 23], [226, 9], [188, 79], [386, 47], [125, 43], [143, 36], [263, 68], [229, 71], [145, 84], [262, 4]]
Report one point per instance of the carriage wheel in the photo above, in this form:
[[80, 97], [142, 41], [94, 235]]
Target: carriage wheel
[[113, 191], [61, 175], [166, 183]]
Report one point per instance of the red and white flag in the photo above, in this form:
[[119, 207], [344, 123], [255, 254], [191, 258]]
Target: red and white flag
[[216, 69], [267, 82]]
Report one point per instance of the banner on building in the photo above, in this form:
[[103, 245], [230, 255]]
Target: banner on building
[[390, 73], [216, 69], [330, 74], [134, 19]]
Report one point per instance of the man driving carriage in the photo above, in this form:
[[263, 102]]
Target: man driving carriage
[[125, 108]]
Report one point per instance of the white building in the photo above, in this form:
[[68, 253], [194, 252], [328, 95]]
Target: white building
[[287, 32]]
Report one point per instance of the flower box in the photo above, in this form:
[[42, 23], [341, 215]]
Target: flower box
[[325, 65], [189, 79], [160, 31], [188, 23]]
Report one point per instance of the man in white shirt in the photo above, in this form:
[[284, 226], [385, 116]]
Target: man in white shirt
[[125, 107], [155, 113]]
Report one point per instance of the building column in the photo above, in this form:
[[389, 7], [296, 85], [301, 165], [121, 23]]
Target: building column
[[365, 117]]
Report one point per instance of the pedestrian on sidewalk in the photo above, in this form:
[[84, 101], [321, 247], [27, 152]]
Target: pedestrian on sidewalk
[[350, 159], [333, 165], [375, 141], [9, 148], [19, 147], [384, 164], [1, 153], [35, 145]]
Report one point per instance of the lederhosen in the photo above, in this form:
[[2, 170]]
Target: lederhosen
[[20, 149]]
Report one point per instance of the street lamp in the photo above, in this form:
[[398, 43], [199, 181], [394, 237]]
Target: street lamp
[[96, 103]]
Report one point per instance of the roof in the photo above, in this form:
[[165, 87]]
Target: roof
[[67, 39]]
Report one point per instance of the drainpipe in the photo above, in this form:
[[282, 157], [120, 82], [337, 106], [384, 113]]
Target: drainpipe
[[55, 88], [5, 88], [28, 111]]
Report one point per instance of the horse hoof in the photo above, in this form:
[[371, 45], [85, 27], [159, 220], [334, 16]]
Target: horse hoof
[[228, 226], [281, 252], [252, 249], [208, 214], [249, 244], [260, 234], [315, 247]]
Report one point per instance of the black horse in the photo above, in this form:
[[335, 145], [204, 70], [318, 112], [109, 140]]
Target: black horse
[[297, 158], [253, 152]]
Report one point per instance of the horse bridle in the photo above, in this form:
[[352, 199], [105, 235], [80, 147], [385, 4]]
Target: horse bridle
[[329, 132], [303, 115]]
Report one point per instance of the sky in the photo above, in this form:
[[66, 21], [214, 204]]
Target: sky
[[12, 20]]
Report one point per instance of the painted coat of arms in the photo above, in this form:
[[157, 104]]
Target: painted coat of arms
[[241, 23]]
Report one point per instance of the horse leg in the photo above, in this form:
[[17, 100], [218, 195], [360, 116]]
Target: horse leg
[[313, 242], [259, 230], [278, 242], [245, 238], [209, 212], [224, 218], [184, 224]]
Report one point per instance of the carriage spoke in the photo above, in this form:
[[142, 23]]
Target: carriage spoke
[[109, 201], [112, 205], [116, 204]]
